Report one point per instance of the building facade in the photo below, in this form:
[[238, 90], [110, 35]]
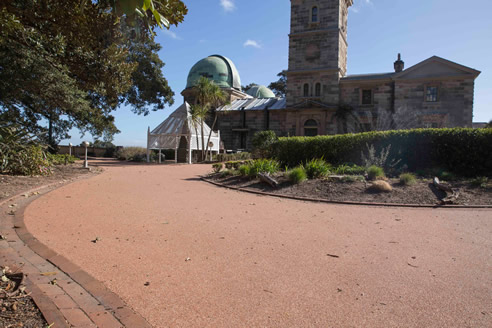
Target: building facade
[[322, 99]]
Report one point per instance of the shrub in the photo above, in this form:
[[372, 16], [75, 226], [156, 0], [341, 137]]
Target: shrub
[[217, 167], [60, 159], [480, 182], [21, 153], [258, 166], [380, 186], [349, 170], [317, 168], [407, 179], [31, 161], [262, 143], [227, 173], [463, 151], [134, 154], [234, 165], [353, 178], [232, 157], [244, 170], [375, 172], [446, 176], [297, 175]]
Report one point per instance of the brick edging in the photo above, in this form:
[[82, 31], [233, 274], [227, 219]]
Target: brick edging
[[122, 312], [321, 200]]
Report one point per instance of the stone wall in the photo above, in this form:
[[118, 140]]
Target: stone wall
[[454, 107], [317, 50]]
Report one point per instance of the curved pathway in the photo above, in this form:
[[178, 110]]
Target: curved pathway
[[184, 253]]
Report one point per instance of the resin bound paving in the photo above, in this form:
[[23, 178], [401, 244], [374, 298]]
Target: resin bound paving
[[185, 253]]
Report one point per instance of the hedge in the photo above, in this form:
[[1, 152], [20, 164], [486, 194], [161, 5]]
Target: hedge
[[464, 151]]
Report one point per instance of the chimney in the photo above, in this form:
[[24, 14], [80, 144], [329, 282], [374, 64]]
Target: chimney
[[399, 64]]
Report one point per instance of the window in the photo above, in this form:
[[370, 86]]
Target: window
[[366, 97], [306, 90], [318, 89], [314, 15], [431, 94], [311, 128]]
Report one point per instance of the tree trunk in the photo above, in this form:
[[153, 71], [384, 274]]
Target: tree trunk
[[51, 141], [203, 141], [211, 131]]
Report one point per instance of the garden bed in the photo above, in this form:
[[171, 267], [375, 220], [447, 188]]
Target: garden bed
[[422, 192], [11, 185]]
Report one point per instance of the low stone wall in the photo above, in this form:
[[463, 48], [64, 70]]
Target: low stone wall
[[79, 151]]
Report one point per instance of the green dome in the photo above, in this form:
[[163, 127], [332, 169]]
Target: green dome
[[260, 92], [219, 69]]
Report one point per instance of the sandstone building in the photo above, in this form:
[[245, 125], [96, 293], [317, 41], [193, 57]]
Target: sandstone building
[[321, 99]]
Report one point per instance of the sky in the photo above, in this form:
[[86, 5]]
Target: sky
[[254, 35]]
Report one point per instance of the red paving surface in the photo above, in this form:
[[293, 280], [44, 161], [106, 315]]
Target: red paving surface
[[257, 261]]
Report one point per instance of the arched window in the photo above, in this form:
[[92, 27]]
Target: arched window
[[314, 15], [311, 128], [317, 89], [306, 90]]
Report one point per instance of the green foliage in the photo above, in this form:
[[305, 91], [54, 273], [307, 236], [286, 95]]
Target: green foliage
[[72, 63], [352, 178], [32, 161], [375, 172], [345, 169], [381, 160], [481, 182], [60, 159], [208, 95], [279, 87], [446, 176], [232, 157], [317, 168], [21, 153], [217, 167], [133, 154], [462, 151], [228, 173], [152, 12], [262, 143], [297, 175], [245, 170], [407, 179], [258, 166], [234, 165]]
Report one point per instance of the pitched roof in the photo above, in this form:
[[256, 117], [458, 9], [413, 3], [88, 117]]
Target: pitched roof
[[436, 59], [255, 104], [364, 77]]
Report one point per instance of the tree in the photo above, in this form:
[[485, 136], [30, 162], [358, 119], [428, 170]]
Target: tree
[[245, 88], [489, 125], [209, 96], [73, 68], [279, 87]]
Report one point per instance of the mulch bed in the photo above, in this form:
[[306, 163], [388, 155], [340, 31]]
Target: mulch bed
[[13, 185], [17, 309], [421, 193]]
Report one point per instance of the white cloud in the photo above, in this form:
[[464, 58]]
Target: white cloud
[[252, 43], [228, 5], [171, 34]]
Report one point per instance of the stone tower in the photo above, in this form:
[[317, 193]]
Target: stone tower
[[317, 51]]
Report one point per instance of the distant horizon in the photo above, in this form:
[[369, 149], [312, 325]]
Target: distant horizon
[[377, 31]]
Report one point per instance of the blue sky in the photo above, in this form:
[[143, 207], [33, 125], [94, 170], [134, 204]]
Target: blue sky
[[254, 34]]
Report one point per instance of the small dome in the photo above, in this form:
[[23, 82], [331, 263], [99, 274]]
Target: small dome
[[260, 92], [219, 69]]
